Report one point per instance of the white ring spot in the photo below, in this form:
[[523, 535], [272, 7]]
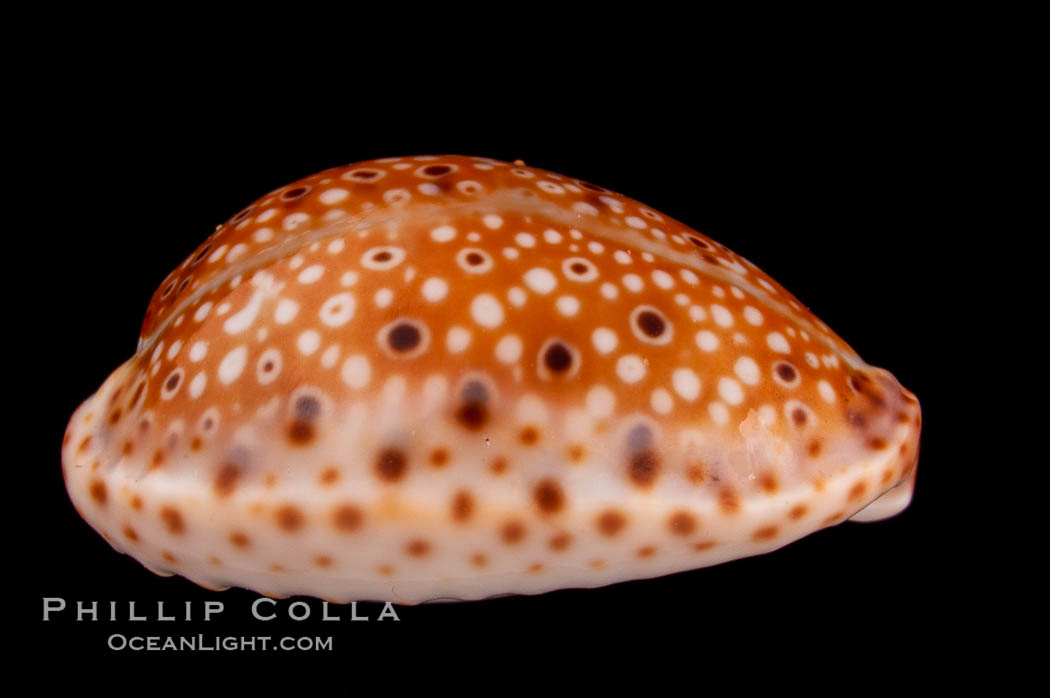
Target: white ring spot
[[509, 348], [167, 393], [474, 261], [707, 340], [630, 368], [540, 280], [686, 383], [666, 330], [747, 370], [268, 367], [357, 371], [232, 364], [550, 187], [777, 343], [579, 269], [434, 289], [338, 309], [486, 310], [396, 196], [382, 258], [604, 340], [469, 186]]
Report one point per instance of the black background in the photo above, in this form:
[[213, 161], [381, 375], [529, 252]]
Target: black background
[[833, 188]]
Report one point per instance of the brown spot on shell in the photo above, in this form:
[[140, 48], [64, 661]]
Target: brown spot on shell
[[766, 533], [704, 545], [462, 506], [834, 518], [643, 468], [98, 492], [858, 491], [512, 532], [417, 548], [611, 522], [438, 457], [136, 503], [682, 523], [172, 519], [559, 541], [391, 465], [240, 540], [226, 481], [289, 518], [768, 482], [168, 557], [814, 448], [798, 511], [130, 533], [646, 551], [529, 436], [329, 476], [499, 465], [728, 500], [347, 517], [323, 561], [549, 497], [479, 560], [877, 443]]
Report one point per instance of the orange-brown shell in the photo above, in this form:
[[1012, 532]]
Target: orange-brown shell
[[458, 355]]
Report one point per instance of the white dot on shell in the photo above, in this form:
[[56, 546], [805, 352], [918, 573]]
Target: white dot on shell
[[826, 391], [202, 312], [356, 371], [174, 349], [689, 277], [600, 402], [286, 311], [730, 391], [747, 370], [568, 306], [330, 356], [509, 348], [525, 240], [457, 339], [516, 295], [622, 257], [707, 340], [492, 221], [308, 342], [486, 310], [336, 246], [609, 291], [197, 385], [198, 351], [540, 280], [661, 401], [636, 222], [630, 368], [232, 364], [552, 236], [383, 297], [311, 274], [753, 316], [330, 197], [662, 279], [443, 233], [686, 383], [777, 343], [349, 278], [434, 289], [604, 340], [721, 315], [719, 413], [633, 283]]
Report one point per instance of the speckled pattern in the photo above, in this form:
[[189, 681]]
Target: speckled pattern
[[452, 377]]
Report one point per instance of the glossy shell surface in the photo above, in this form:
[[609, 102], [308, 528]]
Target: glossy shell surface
[[452, 377]]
